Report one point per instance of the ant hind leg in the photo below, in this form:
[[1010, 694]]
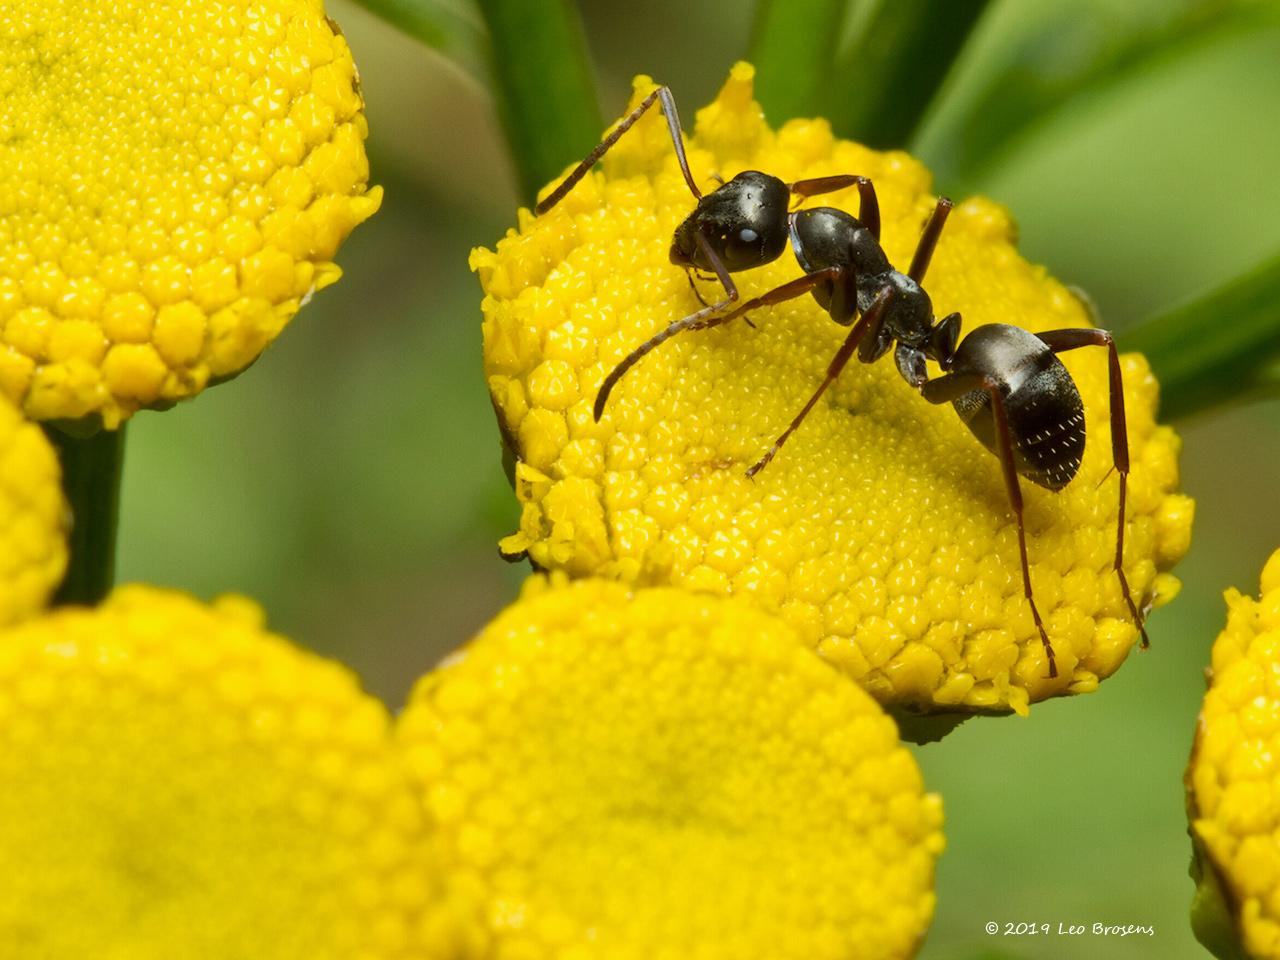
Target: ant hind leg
[[1060, 341], [953, 385]]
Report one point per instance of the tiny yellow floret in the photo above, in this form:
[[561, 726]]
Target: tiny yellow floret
[[659, 773], [883, 530], [177, 782], [164, 164], [33, 518], [1233, 780]]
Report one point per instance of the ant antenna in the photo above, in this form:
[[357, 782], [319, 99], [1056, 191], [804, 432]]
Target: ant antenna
[[661, 94]]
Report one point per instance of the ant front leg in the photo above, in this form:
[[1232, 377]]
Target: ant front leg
[[868, 205], [695, 321], [662, 95], [1060, 341], [693, 272], [954, 385]]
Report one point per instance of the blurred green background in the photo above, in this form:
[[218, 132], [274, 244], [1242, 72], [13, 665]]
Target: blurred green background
[[351, 480]]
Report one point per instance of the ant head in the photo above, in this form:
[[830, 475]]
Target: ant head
[[743, 221]]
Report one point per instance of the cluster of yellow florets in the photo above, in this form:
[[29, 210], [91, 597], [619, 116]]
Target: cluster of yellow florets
[[882, 532], [670, 774], [1232, 781], [33, 518], [175, 178], [177, 781]]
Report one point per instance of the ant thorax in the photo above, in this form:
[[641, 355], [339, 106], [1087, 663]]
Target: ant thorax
[[825, 237], [909, 317]]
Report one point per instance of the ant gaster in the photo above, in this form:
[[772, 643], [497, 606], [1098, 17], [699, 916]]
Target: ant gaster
[[1006, 384]]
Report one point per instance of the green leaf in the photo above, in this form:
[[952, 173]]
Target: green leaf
[[543, 86], [441, 27], [1222, 346], [793, 47], [882, 86], [1074, 57]]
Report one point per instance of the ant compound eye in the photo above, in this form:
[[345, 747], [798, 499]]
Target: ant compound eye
[[742, 248]]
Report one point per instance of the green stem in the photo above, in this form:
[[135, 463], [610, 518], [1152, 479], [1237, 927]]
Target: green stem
[[793, 46], [91, 468], [891, 73], [543, 86], [1222, 346], [439, 26]]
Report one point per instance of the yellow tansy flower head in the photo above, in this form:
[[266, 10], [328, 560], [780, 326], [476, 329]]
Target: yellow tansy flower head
[[175, 178], [176, 782], [33, 518], [1233, 781], [882, 531], [670, 774]]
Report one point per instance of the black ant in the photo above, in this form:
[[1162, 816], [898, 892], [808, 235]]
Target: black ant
[[1006, 384]]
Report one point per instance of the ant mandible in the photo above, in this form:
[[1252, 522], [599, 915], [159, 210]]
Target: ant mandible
[[1005, 383]]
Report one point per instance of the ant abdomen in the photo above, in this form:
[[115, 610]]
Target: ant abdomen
[[1043, 406]]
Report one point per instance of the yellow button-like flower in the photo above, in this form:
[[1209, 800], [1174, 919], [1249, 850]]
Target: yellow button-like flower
[[1233, 780], [175, 178], [670, 774], [883, 530], [176, 782], [33, 518]]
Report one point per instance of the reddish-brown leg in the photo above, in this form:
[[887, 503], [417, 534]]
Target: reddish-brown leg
[[1060, 341], [845, 293], [929, 240], [868, 205], [868, 325], [694, 321], [953, 385]]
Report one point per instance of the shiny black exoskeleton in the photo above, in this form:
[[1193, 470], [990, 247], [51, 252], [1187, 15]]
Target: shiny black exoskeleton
[[1046, 415], [743, 223], [1006, 384]]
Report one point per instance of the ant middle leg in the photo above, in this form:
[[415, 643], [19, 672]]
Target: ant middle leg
[[954, 385], [659, 95], [693, 273], [1059, 341], [868, 325]]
